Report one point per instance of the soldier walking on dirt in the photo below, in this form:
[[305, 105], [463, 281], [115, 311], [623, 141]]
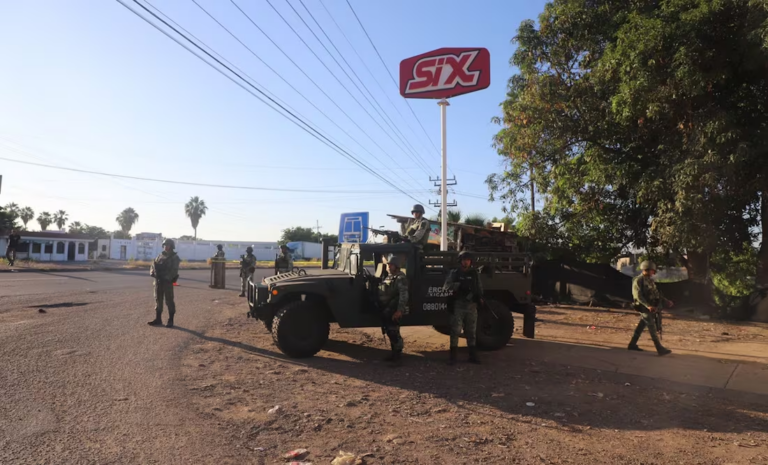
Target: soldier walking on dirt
[[464, 281], [165, 270], [247, 267], [648, 301], [393, 298], [417, 229], [13, 243]]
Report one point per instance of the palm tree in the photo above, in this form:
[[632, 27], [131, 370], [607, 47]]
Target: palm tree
[[60, 218], [26, 214], [76, 227], [13, 209], [45, 219], [126, 219], [476, 220], [454, 216], [195, 209]]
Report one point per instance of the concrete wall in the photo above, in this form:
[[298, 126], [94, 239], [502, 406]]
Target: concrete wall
[[125, 249]]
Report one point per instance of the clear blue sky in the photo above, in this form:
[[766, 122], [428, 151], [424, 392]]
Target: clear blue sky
[[87, 84]]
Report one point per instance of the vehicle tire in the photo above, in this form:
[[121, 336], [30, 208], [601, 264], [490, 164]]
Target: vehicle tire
[[268, 325], [494, 329], [443, 329], [300, 329]]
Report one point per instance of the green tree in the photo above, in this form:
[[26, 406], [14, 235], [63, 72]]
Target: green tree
[[60, 218], [302, 234], [76, 227], [195, 209], [26, 215], [189, 238], [126, 219], [120, 234], [44, 219], [7, 220], [642, 123], [13, 209], [475, 219]]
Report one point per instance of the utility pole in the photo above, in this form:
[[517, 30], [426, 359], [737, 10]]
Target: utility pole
[[443, 175], [317, 228], [530, 180]]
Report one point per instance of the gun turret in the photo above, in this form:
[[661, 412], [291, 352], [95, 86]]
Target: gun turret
[[393, 237]]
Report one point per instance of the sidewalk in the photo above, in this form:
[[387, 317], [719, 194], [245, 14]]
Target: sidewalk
[[680, 366]]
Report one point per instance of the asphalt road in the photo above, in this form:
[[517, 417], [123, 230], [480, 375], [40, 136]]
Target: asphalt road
[[88, 381], [37, 283]]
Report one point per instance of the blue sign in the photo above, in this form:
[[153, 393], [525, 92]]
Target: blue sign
[[353, 227]]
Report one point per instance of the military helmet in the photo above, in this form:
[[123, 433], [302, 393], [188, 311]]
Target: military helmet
[[249, 249], [392, 259], [169, 242], [647, 265], [466, 255], [220, 246], [417, 208], [284, 247]]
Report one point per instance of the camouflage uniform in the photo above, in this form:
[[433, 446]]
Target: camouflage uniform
[[646, 295], [418, 231], [247, 267], [284, 262], [467, 292], [393, 296], [165, 270], [219, 255]]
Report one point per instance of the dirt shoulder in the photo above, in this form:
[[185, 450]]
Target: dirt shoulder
[[511, 409]]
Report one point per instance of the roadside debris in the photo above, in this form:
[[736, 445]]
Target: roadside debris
[[40, 310], [530, 404], [275, 410], [348, 458], [296, 454]]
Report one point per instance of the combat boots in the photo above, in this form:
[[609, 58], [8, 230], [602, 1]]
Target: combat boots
[[394, 356], [452, 356], [170, 321], [157, 321], [635, 347], [473, 356]]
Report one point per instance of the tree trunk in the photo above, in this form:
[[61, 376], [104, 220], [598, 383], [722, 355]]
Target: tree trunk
[[697, 265], [195, 234], [762, 255]]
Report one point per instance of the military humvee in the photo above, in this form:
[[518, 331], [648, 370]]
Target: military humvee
[[298, 307]]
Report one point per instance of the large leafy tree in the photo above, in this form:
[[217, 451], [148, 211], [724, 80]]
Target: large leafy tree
[[642, 123], [60, 218], [302, 234], [7, 219], [195, 209], [126, 219], [26, 215], [44, 219]]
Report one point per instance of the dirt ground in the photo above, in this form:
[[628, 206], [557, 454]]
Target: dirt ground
[[508, 410]]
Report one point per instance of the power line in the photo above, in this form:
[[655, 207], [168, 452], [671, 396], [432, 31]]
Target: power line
[[199, 184], [285, 54], [394, 81], [375, 79], [336, 77], [303, 126], [234, 36], [381, 113]]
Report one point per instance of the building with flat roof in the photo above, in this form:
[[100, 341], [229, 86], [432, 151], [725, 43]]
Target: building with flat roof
[[50, 246]]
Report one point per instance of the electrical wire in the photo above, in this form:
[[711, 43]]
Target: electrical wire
[[379, 109], [297, 121], [337, 78], [394, 81]]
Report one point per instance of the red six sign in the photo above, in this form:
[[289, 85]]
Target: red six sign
[[445, 73]]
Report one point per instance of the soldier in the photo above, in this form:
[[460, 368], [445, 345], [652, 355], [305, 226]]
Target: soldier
[[285, 260], [165, 270], [219, 252], [647, 301], [13, 244], [464, 281], [393, 298], [247, 267], [417, 229]]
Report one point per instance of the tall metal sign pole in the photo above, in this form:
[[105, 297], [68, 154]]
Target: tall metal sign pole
[[443, 178], [442, 74]]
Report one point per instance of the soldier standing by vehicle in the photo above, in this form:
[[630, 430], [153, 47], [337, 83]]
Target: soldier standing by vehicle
[[417, 229], [284, 262], [247, 267], [464, 281], [393, 298], [13, 244], [219, 252], [165, 270], [648, 300]]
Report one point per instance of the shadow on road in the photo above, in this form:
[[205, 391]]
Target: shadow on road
[[48, 273], [239, 345]]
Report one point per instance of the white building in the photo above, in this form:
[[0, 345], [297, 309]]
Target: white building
[[133, 249], [50, 246]]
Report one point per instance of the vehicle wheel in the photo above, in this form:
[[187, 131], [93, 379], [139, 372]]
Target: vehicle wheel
[[268, 324], [300, 329], [443, 329], [494, 326]]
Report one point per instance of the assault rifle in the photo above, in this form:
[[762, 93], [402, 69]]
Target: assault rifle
[[393, 237]]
